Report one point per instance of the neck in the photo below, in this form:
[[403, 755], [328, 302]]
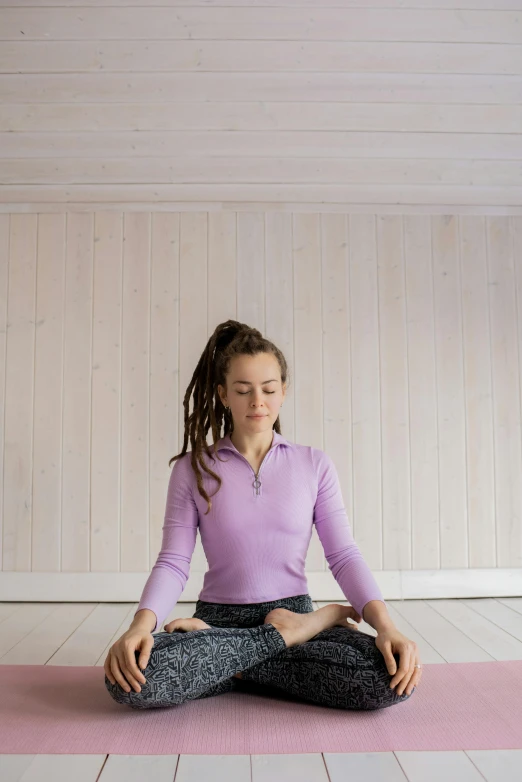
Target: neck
[[256, 446]]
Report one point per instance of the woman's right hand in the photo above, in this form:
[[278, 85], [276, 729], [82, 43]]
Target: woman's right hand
[[120, 664]]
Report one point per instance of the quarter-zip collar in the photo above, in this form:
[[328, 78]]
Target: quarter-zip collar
[[278, 439], [226, 444]]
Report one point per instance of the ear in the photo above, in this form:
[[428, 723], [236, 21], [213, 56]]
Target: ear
[[223, 400]]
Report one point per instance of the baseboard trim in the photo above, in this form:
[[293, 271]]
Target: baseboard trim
[[394, 585]]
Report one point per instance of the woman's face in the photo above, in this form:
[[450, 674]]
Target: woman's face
[[261, 392]]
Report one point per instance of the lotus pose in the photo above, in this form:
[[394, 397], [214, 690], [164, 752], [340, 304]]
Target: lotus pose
[[255, 497]]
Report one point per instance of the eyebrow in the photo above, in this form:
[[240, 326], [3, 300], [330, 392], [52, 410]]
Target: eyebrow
[[248, 383]]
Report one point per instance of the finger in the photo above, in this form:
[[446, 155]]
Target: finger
[[135, 684], [411, 684], [401, 686], [406, 682], [107, 669], [186, 625], [414, 681], [115, 668], [132, 667], [404, 667], [144, 657], [128, 675], [176, 624]]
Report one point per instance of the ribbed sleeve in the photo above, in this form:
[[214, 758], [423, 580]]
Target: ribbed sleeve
[[344, 558], [169, 575]]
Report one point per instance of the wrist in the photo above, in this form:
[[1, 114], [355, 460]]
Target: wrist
[[376, 615], [385, 627], [144, 619]]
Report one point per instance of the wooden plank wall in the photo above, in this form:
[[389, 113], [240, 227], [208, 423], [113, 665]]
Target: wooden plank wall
[[346, 177]]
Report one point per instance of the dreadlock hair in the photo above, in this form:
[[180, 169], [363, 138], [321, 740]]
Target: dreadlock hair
[[229, 339]]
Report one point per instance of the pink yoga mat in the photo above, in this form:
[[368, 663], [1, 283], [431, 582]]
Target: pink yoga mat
[[47, 709]]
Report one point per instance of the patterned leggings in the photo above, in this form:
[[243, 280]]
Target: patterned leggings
[[338, 667]]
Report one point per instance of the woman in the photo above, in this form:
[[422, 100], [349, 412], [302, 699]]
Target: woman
[[255, 534]]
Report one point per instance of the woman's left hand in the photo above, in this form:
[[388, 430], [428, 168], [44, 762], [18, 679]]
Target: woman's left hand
[[390, 641]]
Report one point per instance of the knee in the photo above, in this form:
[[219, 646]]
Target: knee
[[391, 698], [116, 692], [160, 689], [136, 700], [381, 694], [119, 695]]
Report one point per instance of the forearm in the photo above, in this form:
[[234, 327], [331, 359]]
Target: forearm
[[145, 618], [376, 615]]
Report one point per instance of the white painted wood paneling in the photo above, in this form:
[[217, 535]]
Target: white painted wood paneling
[[46, 460], [77, 396], [402, 334], [362, 305], [135, 386], [422, 392], [249, 22], [106, 368], [346, 177], [506, 5], [504, 282], [165, 397], [18, 381], [249, 102]]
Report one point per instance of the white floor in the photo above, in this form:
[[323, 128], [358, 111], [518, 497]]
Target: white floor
[[472, 630]]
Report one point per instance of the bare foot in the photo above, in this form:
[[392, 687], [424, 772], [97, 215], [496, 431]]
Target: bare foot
[[186, 624], [298, 628]]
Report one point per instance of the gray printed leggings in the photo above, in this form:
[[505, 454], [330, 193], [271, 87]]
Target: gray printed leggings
[[338, 667]]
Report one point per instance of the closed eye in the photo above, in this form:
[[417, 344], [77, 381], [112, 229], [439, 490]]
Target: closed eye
[[247, 392]]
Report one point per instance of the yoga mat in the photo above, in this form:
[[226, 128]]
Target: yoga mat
[[48, 709]]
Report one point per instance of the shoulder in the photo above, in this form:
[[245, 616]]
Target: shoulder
[[324, 469], [182, 467], [304, 455], [321, 459], [182, 461], [318, 461]]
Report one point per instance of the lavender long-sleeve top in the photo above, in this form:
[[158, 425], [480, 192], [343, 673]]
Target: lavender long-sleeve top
[[257, 533]]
